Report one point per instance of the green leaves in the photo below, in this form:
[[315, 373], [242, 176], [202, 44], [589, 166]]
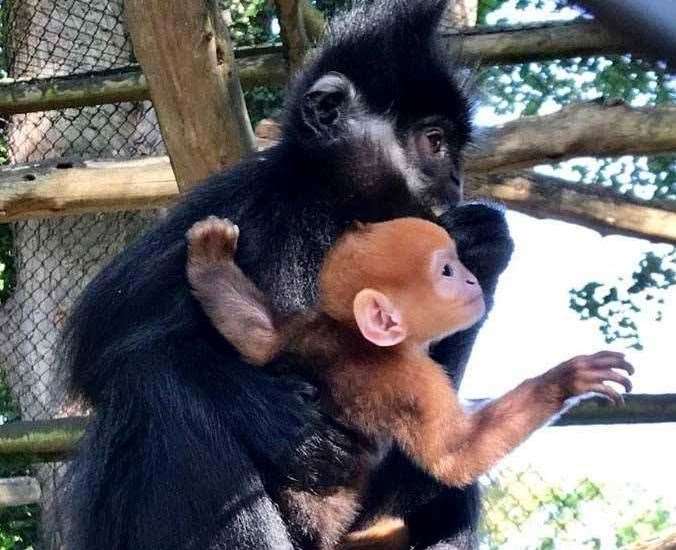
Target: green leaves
[[613, 307]]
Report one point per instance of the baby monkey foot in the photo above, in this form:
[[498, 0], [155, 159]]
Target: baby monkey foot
[[212, 239]]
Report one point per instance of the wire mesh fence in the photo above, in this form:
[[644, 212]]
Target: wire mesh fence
[[525, 508], [51, 260]]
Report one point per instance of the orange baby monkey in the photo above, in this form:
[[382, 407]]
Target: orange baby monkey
[[386, 292]]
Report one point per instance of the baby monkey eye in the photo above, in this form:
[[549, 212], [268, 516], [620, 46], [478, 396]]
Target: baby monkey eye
[[447, 271]]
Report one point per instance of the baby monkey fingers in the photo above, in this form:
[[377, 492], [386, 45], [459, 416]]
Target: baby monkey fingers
[[590, 374]]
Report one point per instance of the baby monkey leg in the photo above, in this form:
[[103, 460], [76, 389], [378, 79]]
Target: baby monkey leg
[[233, 303]]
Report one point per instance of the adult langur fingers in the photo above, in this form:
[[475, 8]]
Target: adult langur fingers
[[612, 376], [607, 353], [608, 392], [614, 364]]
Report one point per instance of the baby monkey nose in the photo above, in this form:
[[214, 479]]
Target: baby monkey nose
[[470, 281]]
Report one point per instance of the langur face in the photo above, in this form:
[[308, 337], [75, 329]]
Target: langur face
[[457, 290]]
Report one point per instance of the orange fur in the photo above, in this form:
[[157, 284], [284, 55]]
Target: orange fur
[[389, 390], [386, 533]]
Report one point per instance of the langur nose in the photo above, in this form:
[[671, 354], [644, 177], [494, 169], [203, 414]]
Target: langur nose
[[470, 281]]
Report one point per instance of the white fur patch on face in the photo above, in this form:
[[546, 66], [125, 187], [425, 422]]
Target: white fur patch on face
[[379, 132]]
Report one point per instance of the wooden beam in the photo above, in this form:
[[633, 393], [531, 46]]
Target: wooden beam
[[17, 491], [59, 187], [502, 45], [663, 541], [291, 17], [591, 206], [185, 51], [638, 409], [264, 66], [44, 94], [43, 440], [62, 187], [594, 128], [314, 22]]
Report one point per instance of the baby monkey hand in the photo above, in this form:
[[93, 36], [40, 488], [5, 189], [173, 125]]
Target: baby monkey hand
[[589, 373], [212, 240]]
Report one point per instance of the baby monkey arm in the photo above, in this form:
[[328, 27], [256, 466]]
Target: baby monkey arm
[[234, 304], [468, 445]]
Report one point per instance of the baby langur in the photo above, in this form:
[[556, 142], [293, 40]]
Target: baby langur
[[386, 292]]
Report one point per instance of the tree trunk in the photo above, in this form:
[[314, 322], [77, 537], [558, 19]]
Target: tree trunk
[[461, 13], [55, 258]]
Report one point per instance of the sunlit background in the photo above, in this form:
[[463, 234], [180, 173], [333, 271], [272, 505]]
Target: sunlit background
[[596, 486]]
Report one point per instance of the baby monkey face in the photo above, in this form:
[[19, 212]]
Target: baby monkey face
[[457, 289], [400, 280]]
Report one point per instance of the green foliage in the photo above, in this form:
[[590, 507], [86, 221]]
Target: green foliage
[[330, 7], [249, 21], [262, 102], [613, 306], [487, 7], [19, 527], [524, 511], [538, 88], [647, 524]]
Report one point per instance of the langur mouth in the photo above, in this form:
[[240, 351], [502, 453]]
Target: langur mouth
[[475, 301], [440, 205]]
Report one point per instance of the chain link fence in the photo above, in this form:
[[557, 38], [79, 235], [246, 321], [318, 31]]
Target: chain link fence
[[526, 509], [51, 260]]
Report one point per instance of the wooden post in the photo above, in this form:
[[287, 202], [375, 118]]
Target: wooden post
[[314, 22], [292, 28], [17, 491], [185, 51]]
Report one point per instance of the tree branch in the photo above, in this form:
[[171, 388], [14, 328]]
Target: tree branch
[[582, 129], [257, 67], [291, 17], [588, 205], [526, 43], [264, 66], [17, 491], [61, 187], [45, 439]]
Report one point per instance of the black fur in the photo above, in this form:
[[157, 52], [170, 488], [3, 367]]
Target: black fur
[[187, 442]]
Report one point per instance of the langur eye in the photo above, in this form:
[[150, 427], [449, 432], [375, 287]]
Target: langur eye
[[435, 138], [447, 271]]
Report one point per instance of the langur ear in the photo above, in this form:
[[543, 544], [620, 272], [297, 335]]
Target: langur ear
[[378, 319], [327, 101]]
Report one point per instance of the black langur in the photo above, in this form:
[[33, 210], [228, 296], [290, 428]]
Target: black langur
[[386, 292], [187, 442]]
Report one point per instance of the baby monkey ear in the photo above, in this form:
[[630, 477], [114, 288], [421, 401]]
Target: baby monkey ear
[[378, 319]]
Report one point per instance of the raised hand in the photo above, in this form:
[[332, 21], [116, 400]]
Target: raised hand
[[589, 373]]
